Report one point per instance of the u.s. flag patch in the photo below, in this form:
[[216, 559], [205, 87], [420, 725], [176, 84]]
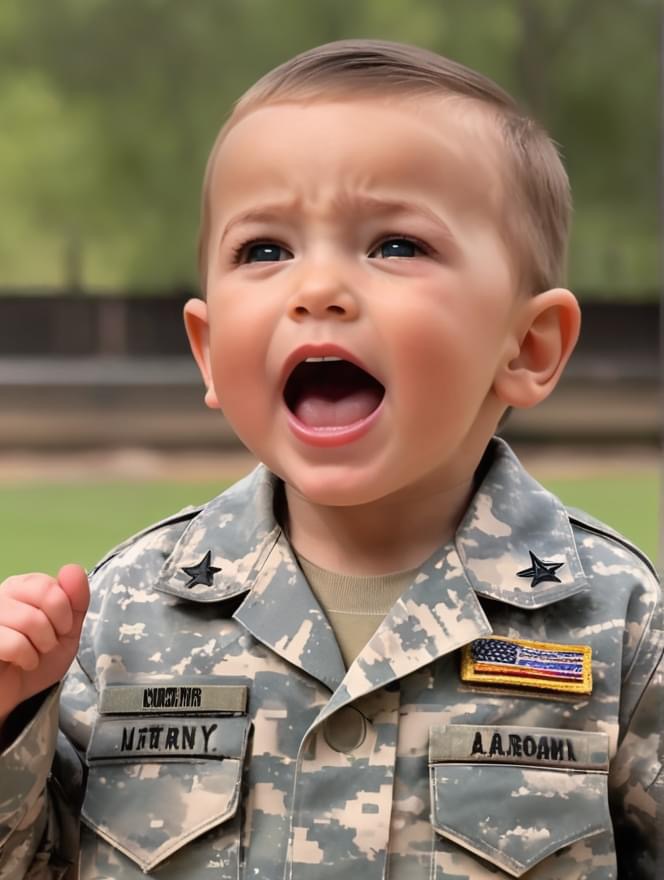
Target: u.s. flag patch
[[543, 665]]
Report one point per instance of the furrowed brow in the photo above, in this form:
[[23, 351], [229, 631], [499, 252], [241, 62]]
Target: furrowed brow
[[372, 204], [351, 204], [264, 214]]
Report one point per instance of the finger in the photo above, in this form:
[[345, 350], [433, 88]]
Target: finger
[[16, 648], [16, 581], [45, 593], [30, 621], [74, 581]]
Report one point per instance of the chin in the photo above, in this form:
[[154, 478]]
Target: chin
[[334, 489]]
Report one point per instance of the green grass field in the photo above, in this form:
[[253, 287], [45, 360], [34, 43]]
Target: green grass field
[[45, 525]]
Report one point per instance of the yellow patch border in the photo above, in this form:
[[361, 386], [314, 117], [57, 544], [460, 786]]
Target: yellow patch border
[[579, 687]]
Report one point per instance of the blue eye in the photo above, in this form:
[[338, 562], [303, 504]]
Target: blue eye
[[398, 247], [258, 252], [264, 253]]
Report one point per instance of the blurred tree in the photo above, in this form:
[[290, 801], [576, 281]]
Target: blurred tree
[[109, 108]]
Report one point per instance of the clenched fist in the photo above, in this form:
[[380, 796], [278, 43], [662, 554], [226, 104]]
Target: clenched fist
[[40, 628]]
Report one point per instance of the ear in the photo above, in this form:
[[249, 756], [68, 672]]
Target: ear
[[198, 332], [547, 329]]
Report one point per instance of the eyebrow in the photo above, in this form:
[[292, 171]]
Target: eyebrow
[[269, 212]]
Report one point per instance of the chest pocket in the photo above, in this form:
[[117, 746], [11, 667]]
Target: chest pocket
[[516, 795], [158, 782]]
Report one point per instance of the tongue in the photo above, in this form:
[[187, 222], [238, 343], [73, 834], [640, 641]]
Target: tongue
[[319, 411]]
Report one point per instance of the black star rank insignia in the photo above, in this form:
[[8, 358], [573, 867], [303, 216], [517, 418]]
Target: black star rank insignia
[[203, 573], [540, 571]]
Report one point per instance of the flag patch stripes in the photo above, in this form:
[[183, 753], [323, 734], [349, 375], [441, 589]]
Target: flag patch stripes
[[521, 662]]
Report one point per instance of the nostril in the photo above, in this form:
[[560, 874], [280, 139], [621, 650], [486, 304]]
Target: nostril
[[321, 303]]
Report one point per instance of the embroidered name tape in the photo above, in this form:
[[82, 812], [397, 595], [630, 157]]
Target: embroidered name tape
[[131, 699], [507, 744], [519, 662], [167, 737]]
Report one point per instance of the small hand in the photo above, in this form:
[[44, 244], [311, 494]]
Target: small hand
[[40, 628]]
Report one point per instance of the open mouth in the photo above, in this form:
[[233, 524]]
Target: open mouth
[[330, 392]]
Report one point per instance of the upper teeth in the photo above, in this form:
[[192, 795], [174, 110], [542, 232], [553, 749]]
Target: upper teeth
[[314, 360]]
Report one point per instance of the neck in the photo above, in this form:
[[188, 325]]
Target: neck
[[387, 535]]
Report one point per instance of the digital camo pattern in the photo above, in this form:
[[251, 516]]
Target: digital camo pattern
[[335, 779]]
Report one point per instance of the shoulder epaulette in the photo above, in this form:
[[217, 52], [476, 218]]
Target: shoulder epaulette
[[183, 515], [596, 527]]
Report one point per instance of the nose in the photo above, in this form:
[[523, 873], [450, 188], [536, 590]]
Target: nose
[[322, 294]]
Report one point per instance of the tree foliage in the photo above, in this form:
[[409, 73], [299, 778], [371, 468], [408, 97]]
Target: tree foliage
[[109, 108]]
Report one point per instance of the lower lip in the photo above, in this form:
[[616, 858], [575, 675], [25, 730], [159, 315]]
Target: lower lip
[[333, 436]]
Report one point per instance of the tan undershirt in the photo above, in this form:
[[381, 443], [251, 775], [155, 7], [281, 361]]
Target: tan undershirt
[[355, 605]]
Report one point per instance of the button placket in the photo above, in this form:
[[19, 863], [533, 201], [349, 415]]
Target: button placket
[[345, 797]]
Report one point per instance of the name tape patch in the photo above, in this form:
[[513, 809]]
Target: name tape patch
[[507, 744], [167, 737], [519, 662], [131, 699]]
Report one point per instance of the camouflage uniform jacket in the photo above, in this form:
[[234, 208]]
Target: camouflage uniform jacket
[[210, 730]]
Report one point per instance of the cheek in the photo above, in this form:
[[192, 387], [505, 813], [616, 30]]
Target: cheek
[[444, 358], [237, 360]]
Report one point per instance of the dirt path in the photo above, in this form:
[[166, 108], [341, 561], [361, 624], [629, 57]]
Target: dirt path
[[146, 464]]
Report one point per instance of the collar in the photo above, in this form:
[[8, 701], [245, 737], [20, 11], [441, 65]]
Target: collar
[[239, 530], [510, 516]]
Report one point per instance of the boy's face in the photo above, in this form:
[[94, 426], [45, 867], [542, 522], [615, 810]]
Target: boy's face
[[420, 293]]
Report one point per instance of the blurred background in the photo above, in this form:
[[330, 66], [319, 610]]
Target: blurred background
[[108, 109]]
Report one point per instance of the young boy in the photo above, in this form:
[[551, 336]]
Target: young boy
[[387, 652]]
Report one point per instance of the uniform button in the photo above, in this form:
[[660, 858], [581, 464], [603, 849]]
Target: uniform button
[[346, 730]]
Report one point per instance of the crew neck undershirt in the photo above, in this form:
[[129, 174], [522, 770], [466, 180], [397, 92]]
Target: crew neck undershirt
[[355, 605]]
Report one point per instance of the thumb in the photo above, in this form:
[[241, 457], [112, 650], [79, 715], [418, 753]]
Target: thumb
[[74, 581]]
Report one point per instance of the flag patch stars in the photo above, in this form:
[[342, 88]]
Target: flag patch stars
[[203, 573], [522, 663]]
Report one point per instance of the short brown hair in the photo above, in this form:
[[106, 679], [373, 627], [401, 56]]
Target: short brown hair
[[537, 221]]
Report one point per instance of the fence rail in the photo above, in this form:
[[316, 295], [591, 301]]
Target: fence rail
[[71, 325], [110, 371]]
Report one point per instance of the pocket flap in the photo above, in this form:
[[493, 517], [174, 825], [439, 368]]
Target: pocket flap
[[515, 795], [156, 783]]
